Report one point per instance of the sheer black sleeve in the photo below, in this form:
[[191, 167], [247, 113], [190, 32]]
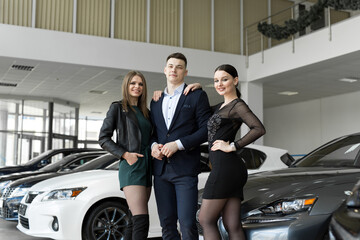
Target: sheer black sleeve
[[240, 110]]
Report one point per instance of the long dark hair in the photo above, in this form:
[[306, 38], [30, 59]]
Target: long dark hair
[[142, 101], [232, 71]]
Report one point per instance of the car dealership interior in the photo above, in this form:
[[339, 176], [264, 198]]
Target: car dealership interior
[[62, 63]]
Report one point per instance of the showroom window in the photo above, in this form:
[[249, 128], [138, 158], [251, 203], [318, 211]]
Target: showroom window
[[89, 132], [25, 130]]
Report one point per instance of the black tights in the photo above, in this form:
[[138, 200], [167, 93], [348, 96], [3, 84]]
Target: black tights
[[229, 209]]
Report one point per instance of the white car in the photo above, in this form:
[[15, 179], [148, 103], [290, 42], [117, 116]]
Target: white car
[[89, 205]]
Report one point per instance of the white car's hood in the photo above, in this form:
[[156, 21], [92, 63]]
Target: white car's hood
[[76, 180]]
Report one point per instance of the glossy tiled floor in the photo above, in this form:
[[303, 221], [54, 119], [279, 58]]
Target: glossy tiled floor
[[8, 231]]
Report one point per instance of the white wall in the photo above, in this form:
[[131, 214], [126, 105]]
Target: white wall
[[301, 127], [309, 49]]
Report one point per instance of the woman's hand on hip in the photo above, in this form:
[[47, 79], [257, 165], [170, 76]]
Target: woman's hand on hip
[[222, 146], [131, 157]]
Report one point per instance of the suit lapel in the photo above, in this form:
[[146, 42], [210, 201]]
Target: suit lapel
[[160, 112]]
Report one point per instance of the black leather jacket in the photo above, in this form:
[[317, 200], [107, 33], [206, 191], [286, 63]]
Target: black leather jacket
[[128, 134]]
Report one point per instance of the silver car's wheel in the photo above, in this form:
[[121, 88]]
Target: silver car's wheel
[[106, 221]]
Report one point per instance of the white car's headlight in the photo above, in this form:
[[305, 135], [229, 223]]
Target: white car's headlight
[[19, 192], [289, 206], [63, 194]]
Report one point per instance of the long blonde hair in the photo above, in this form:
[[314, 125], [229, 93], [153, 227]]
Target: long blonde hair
[[142, 101]]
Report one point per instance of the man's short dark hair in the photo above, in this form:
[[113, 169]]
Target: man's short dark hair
[[177, 56]]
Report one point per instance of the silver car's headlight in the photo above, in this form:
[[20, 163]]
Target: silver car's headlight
[[19, 192], [289, 206], [4, 184], [63, 194]]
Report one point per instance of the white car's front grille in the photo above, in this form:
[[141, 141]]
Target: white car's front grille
[[24, 222]]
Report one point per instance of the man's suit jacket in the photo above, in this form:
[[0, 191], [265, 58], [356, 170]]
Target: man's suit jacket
[[189, 125]]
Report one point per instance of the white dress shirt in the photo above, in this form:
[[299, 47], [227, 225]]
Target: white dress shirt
[[169, 105]]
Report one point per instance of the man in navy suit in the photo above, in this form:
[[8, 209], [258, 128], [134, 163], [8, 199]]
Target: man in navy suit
[[180, 126]]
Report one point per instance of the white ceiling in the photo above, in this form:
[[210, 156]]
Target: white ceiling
[[313, 81], [73, 83]]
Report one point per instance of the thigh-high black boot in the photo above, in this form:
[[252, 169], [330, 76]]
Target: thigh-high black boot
[[140, 226], [129, 228]]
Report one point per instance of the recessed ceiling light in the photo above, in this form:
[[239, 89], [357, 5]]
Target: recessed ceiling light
[[22, 67], [5, 84], [349, 80], [97, 91], [288, 93], [96, 112], [120, 77]]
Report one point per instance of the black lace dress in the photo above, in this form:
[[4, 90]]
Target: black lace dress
[[229, 174]]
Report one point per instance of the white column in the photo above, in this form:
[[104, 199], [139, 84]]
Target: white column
[[252, 94], [181, 23], [15, 155], [242, 27], [74, 17], [3, 126], [148, 4], [212, 25], [33, 14], [112, 19]]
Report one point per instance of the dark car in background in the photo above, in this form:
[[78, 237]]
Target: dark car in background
[[15, 191], [345, 222], [69, 162], [43, 159], [297, 202]]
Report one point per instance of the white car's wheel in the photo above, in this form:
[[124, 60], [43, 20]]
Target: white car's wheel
[[106, 221]]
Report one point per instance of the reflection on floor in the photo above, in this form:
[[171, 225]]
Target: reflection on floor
[[8, 231]]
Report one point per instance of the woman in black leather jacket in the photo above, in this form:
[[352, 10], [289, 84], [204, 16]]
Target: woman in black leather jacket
[[130, 118]]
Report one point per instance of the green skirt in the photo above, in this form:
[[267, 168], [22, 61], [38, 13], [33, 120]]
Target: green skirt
[[140, 173]]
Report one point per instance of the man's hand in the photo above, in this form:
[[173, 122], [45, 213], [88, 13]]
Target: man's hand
[[169, 149], [156, 151], [131, 157]]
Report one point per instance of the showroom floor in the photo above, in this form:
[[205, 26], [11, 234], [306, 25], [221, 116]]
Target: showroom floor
[[8, 231]]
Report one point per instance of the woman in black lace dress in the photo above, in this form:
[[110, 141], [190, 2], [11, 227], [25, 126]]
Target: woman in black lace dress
[[223, 191]]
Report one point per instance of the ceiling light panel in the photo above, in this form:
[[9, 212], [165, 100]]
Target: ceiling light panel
[[98, 91], [288, 93], [349, 80]]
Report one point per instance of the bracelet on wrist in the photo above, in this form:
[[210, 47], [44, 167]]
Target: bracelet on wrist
[[232, 145]]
